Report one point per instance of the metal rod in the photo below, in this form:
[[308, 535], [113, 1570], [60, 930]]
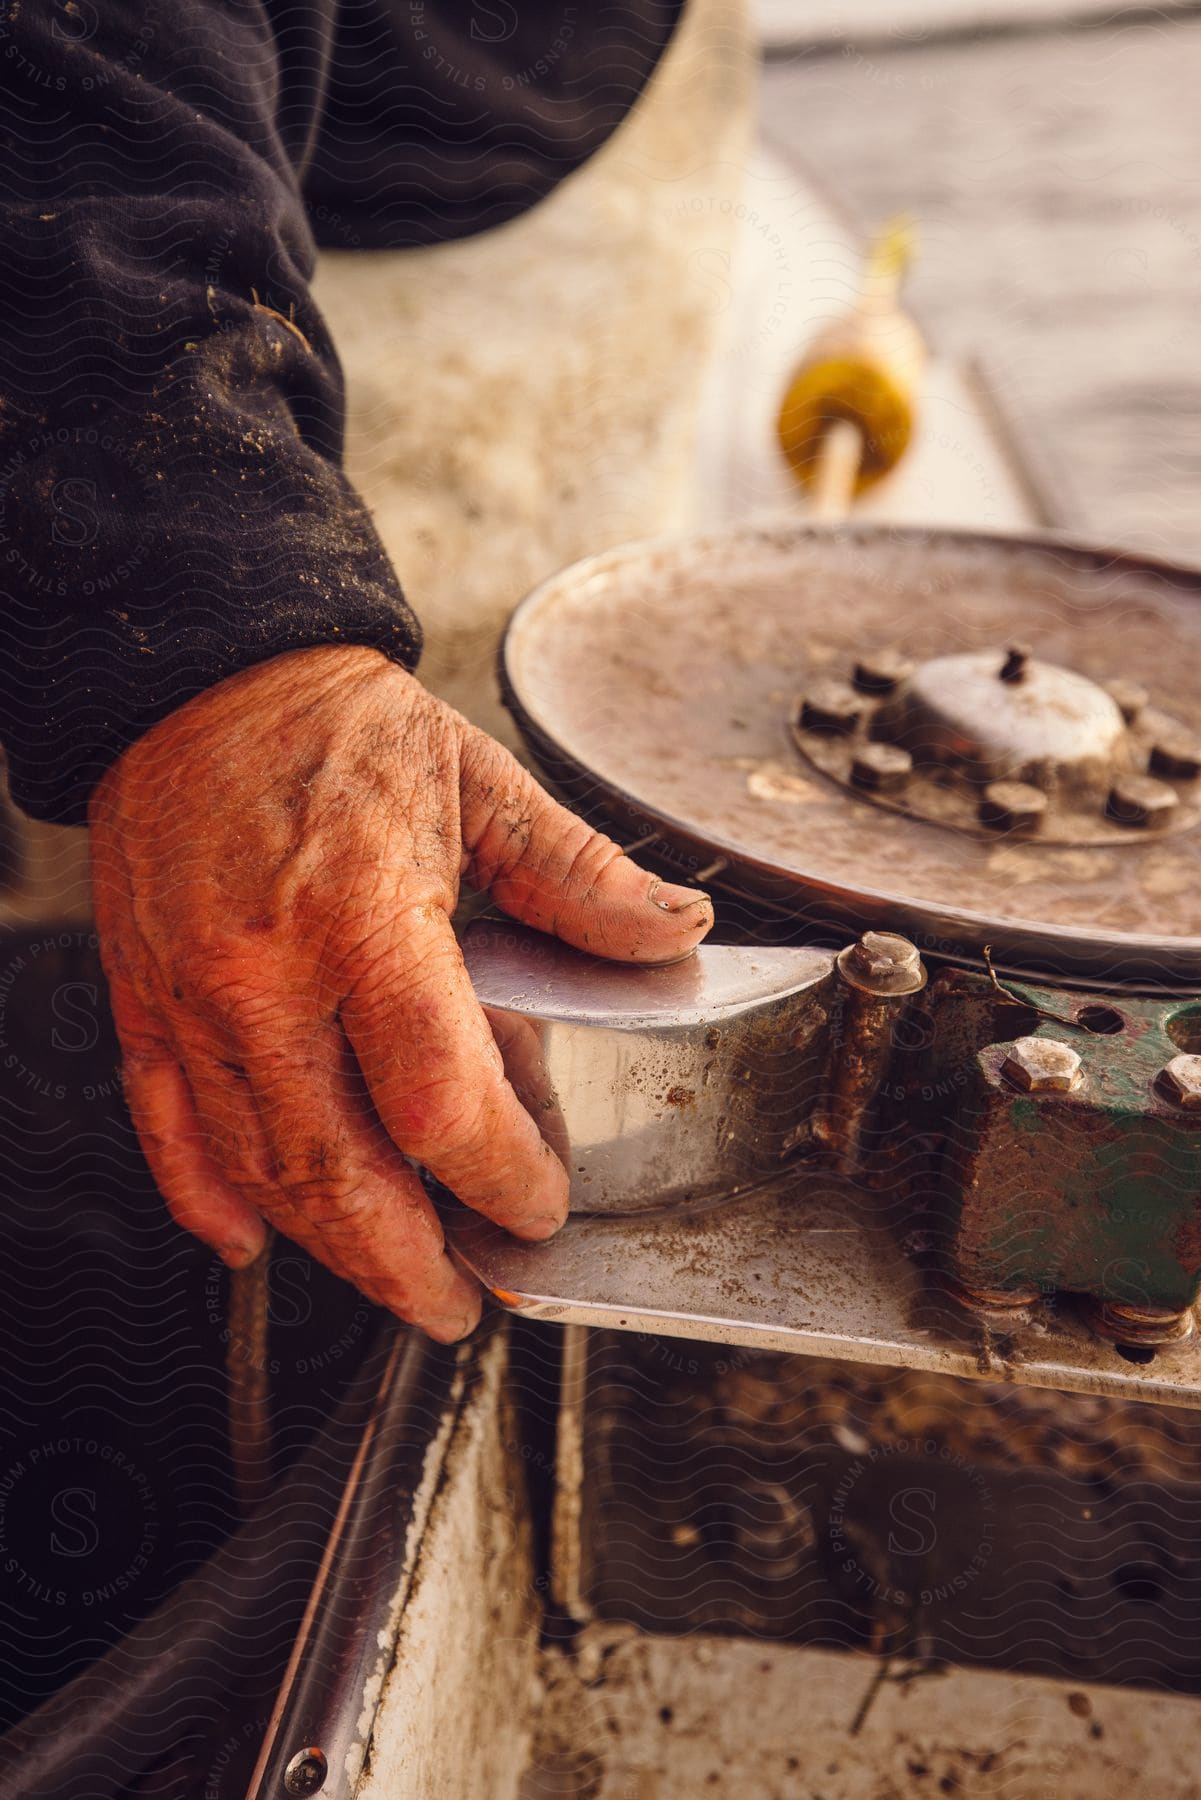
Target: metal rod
[[323, 1712], [246, 1366], [837, 471]]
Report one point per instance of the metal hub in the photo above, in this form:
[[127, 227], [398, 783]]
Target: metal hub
[[995, 742], [659, 683]]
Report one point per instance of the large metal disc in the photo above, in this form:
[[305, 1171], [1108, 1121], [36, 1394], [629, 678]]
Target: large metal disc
[[660, 682]]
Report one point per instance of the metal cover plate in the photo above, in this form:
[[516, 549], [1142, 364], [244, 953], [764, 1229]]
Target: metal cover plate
[[658, 682], [522, 970], [808, 1265]]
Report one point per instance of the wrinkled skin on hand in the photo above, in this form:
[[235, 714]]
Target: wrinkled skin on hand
[[275, 866]]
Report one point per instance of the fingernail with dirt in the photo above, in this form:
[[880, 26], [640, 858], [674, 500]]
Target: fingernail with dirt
[[544, 1226], [669, 898]]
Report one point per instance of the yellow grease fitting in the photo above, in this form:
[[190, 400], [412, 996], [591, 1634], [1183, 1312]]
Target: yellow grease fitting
[[866, 369]]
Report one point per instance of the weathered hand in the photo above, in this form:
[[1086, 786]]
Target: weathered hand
[[275, 866]]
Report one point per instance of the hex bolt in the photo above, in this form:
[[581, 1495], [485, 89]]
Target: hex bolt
[[1128, 697], [1017, 656], [991, 1300], [830, 706], [306, 1772], [884, 963], [1141, 800], [1012, 806], [1140, 1327], [883, 767], [1180, 1082], [881, 671], [1040, 1065], [1176, 754], [879, 972]]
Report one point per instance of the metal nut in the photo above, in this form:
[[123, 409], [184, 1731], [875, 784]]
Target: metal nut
[[990, 1300], [883, 962], [1180, 1081], [1176, 754], [881, 671], [830, 706], [1128, 697], [1012, 806], [1142, 1327], [1041, 1065], [881, 766], [1141, 800]]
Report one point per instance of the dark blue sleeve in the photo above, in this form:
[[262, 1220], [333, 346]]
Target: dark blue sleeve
[[172, 502]]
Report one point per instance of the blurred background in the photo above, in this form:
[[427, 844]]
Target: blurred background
[[1050, 151]]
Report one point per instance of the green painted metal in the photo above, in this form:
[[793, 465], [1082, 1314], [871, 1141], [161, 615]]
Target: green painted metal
[[1096, 1191]]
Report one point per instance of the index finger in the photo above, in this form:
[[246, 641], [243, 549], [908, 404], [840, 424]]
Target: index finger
[[549, 869], [437, 1080]]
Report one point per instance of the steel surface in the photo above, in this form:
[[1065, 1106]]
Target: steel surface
[[659, 682]]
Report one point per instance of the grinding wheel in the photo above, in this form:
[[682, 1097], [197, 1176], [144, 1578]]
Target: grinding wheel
[[665, 685]]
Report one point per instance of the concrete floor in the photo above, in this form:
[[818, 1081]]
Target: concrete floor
[[648, 1718]]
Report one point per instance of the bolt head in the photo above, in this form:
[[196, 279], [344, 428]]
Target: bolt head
[[1128, 697], [881, 766], [1041, 1066], [1180, 1081], [1012, 806], [830, 706], [1176, 754], [1141, 800], [883, 962], [881, 671]]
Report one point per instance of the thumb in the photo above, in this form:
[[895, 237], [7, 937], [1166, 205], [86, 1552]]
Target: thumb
[[550, 870]]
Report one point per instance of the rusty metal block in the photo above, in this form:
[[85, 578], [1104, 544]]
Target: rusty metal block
[[1073, 1159]]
